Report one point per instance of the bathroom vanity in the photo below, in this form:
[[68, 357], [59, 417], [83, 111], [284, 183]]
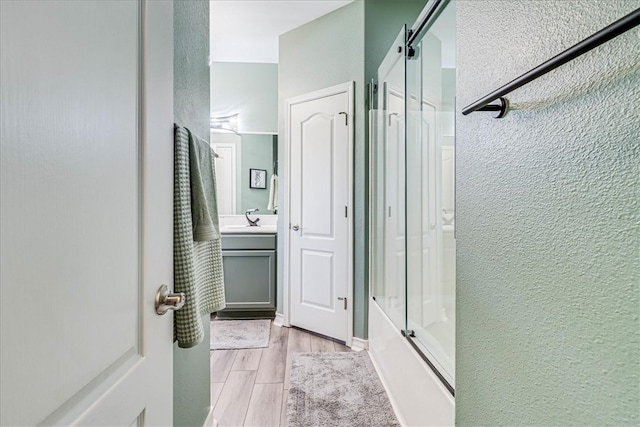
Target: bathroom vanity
[[249, 260]]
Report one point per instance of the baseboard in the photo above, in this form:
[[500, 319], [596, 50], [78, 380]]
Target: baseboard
[[358, 344], [279, 320]]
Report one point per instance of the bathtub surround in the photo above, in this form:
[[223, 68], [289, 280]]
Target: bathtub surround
[[191, 389], [340, 389], [548, 219], [238, 334]]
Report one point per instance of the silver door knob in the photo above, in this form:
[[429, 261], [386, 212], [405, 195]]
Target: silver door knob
[[295, 227], [166, 301]]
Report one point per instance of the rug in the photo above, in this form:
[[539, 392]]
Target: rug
[[237, 334], [337, 389]]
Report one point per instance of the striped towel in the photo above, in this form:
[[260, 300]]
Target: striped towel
[[197, 265]]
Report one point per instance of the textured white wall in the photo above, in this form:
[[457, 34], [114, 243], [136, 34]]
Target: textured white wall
[[548, 214]]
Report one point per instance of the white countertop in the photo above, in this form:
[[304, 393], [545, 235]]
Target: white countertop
[[244, 229], [237, 224]]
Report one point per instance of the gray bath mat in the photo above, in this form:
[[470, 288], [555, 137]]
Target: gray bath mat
[[236, 334], [337, 389]]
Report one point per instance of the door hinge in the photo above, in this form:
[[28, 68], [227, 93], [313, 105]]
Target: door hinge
[[345, 301], [346, 118], [345, 212]]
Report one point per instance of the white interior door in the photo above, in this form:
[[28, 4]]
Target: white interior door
[[320, 129], [225, 147], [86, 212]]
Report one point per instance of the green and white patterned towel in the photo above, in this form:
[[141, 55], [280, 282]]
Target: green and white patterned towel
[[204, 206], [197, 265]]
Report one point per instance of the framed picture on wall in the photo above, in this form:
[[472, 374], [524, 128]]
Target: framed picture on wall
[[257, 178]]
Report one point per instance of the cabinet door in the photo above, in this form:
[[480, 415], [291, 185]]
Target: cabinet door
[[250, 279]]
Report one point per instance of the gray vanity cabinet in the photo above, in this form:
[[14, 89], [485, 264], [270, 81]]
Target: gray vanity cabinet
[[249, 262]]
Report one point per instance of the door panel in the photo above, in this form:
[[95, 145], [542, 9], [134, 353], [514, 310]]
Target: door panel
[[317, 186], [78, 338], [317, 268], [319, 249]]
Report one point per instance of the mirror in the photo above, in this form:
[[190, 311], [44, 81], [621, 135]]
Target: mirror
[[237, 155], [244, 124]]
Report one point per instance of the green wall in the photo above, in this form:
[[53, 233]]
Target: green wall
[[383, 21], [320, 54], [548, 214], [248, 89], [191, 388]]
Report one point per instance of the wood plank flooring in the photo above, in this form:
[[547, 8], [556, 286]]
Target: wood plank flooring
[[250, 387]]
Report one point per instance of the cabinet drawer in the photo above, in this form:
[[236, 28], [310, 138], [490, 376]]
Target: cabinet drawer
[[232, 242]]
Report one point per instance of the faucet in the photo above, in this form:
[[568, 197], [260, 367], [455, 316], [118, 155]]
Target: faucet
[[246, 215]]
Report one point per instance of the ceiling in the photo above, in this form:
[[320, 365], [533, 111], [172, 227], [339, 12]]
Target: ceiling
[[248, 30]]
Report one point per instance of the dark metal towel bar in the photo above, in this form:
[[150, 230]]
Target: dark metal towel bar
[[625, 24]]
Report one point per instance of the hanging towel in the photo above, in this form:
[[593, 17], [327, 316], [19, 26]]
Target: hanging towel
[[204, 210], [197, 265], [273, 193]]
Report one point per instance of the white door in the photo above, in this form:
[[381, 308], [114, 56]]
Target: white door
[[319, 130], [86, 212], [225, 147]]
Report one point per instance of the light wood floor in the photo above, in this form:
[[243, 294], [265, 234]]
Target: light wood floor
[[250, 387]]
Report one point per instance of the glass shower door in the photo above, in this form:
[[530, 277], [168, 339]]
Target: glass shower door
[[388, 176], [413, 181], [430, 193]]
